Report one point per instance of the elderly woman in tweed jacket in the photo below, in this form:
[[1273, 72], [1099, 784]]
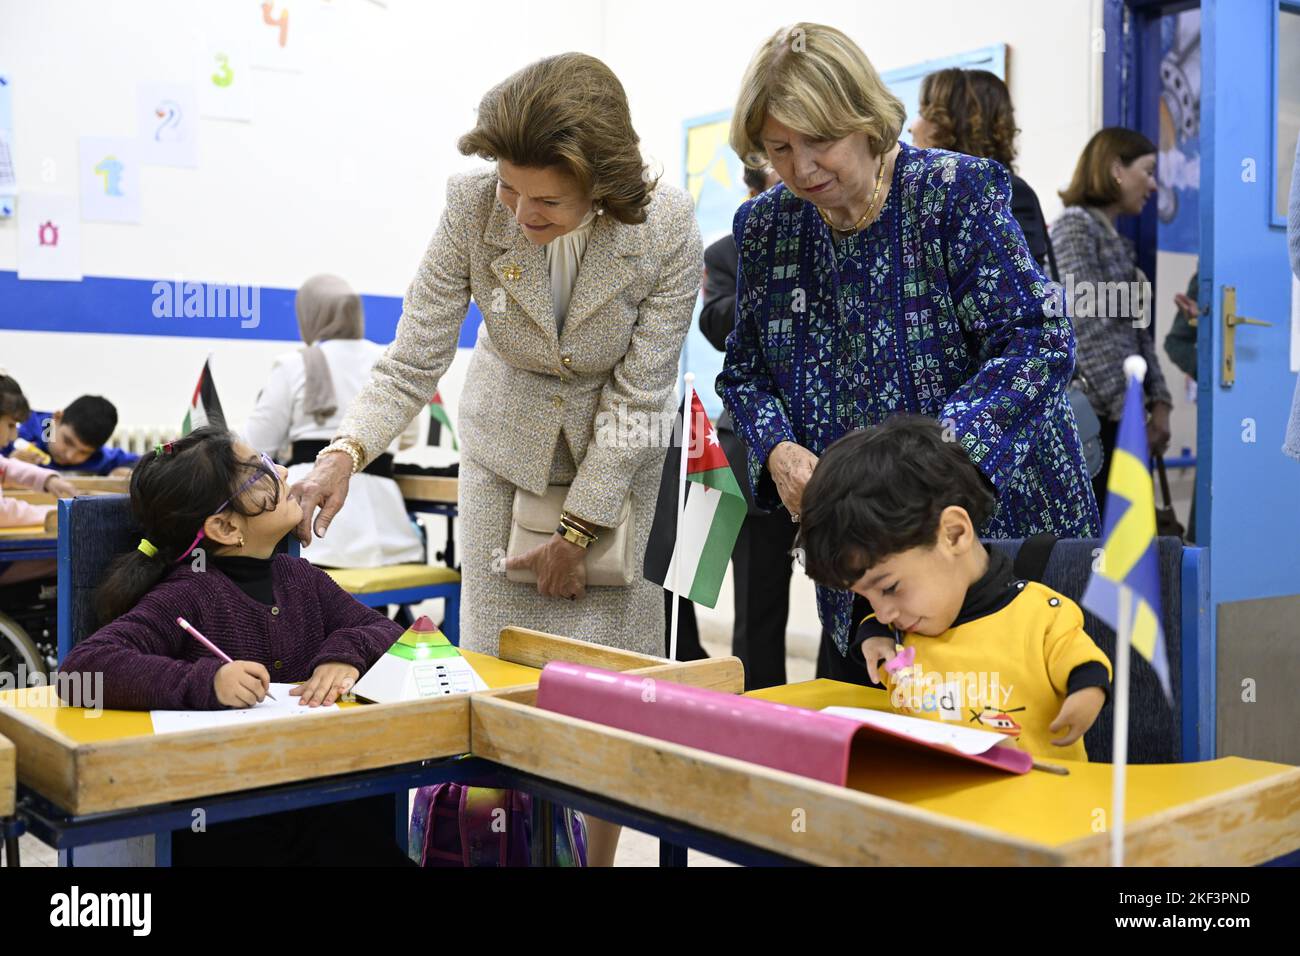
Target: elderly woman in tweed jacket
[[586, 273]]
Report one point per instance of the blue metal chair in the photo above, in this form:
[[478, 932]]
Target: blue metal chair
[[93, 530], [404, 585]]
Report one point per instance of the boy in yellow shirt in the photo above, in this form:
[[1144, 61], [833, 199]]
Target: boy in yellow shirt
[[891, 514]]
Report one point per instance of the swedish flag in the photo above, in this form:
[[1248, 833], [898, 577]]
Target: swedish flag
[[1125, 589]]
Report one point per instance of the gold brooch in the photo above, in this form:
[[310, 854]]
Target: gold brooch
[[512, 272]]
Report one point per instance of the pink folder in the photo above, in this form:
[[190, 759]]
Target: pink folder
[[806, 742]]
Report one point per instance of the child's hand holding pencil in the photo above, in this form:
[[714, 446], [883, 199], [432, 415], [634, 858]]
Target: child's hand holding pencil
[[242, 684], [239, 683]]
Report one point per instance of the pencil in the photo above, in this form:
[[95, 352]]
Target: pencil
[[1051, 768], [194, 633]]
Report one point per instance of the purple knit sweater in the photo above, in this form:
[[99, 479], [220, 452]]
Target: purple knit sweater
[[149, 663]]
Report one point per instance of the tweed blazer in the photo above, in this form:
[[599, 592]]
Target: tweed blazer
[[527, 384]]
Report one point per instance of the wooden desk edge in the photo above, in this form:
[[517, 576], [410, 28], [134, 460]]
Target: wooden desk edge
[[123, 774], [133, 772], [1244, 826], [434, 489], [8, 776], [742, 800]]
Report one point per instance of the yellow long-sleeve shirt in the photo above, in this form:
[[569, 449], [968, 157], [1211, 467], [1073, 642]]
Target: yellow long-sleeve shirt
[[1007, 671]]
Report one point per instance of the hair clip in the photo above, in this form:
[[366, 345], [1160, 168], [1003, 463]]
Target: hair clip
[[146, 547], [157, 450]]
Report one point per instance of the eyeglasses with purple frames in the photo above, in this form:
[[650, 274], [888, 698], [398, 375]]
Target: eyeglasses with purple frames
[[269, 463]]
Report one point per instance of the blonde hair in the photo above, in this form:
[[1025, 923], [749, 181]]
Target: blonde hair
[[817, 81], [568, 111]]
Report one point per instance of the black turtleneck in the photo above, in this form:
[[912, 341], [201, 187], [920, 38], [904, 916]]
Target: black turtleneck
[[251, 575]]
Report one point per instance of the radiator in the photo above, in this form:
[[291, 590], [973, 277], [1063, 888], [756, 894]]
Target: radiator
[[140, 439]]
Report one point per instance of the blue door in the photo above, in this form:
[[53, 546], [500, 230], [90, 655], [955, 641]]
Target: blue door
[[1248, 492]]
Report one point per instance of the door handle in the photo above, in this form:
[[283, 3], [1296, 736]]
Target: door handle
[[1230, 322]]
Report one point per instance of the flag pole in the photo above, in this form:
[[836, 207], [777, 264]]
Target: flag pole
[[688, 393], [1134, 367], [1119, 755]]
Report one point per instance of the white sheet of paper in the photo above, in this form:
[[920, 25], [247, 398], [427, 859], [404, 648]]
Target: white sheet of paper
[[286, 706], [224, 73], [49, 237], [967, 740], [8, 179], [279, 34], [168, 124], [110, 179]]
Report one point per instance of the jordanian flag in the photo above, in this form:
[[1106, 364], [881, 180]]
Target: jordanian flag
[[437, 418], [205, 407], [699, 550]]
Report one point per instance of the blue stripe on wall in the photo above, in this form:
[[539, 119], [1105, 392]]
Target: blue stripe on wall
[[108, 306]]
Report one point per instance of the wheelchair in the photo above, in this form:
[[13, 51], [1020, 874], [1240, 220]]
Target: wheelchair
[[28, 627]]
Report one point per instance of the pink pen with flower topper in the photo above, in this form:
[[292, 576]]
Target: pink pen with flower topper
[[194, 633]]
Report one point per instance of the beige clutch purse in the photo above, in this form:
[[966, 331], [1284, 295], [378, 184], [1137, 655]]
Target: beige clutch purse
[[534, 520]]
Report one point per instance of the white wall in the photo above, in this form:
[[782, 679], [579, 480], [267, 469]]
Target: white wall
[[343, 165]]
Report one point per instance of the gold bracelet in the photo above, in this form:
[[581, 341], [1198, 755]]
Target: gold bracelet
[[354, 449], [574, 536], [566, 526], [579, 524]]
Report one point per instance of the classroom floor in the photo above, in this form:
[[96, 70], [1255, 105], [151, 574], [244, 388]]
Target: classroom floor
[[634, 849]]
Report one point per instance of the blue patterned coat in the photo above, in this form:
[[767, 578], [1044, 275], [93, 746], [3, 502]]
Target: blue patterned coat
[[937, 308]]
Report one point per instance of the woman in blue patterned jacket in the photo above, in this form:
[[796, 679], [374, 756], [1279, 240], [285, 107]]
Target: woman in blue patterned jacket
[[880, 279]]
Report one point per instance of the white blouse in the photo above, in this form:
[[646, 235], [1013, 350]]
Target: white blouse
[[563, 257], [278, 419]]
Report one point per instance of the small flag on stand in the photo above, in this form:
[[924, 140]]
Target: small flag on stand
[[1125, 588], [438, 417], [689, 555], [205, 407]]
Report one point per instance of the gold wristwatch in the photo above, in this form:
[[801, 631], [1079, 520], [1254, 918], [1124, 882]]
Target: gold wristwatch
[[576, 531], [574, 536]]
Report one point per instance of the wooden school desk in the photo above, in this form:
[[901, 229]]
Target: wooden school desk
[[31, 542], [87, 779], [912, 809], [85, 485], [432, 494], [9, 829]]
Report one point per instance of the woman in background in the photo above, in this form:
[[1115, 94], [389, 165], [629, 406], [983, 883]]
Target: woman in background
[[970, 111], [1115, 176], [302, 405]]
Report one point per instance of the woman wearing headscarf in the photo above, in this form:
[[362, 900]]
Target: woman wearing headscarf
[[301, 406]]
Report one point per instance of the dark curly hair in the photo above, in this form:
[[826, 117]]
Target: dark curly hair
[[879, 491], [971, 113]]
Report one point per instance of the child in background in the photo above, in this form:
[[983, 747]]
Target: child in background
[[73, 439], [14, 513], [213, 511], [891, 513]]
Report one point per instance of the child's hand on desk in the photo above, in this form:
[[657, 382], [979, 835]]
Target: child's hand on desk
[[30, 454], [242, 684], [877, 651], [328, 682], [60, 487], [1077, 714]]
